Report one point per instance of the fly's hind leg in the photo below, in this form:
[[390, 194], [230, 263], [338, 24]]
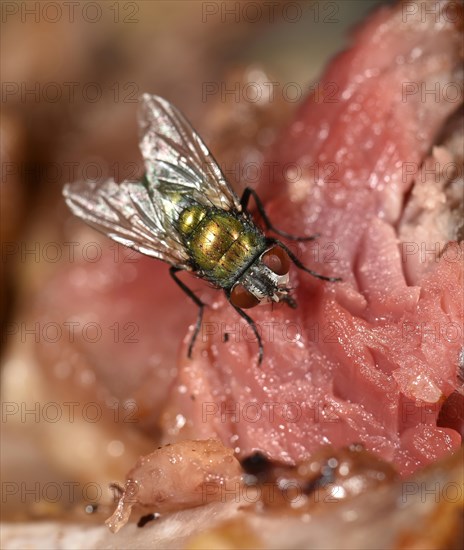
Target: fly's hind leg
[[247, 193], [300, 265], [173, 271]]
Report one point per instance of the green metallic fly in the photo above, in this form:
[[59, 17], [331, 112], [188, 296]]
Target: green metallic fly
[[184, 212]]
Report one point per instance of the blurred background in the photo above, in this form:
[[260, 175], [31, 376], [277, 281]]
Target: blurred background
[[76, 414]]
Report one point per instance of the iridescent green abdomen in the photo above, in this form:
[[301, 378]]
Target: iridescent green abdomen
[[220, 243]]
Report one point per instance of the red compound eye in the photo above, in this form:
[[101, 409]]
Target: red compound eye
[[277, 260], [242, 298]]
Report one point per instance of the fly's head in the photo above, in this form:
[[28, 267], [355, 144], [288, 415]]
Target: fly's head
[[265, 281]]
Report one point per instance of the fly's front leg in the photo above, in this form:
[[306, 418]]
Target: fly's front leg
[[300, 265], [252, 324], [173, 271], [247, 193]]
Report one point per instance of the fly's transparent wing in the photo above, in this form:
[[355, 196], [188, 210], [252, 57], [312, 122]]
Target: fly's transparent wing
[[127, 214], [177, 161], [179, 170]]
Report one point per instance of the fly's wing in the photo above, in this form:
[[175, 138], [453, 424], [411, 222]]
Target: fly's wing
[[178, 163], [179, 170], [127, 214]]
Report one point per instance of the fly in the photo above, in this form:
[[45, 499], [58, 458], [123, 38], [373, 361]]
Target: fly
[[185, 213]]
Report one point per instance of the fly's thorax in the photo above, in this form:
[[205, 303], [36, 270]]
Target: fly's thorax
[[190, 218], [221, 243], [265, 280]]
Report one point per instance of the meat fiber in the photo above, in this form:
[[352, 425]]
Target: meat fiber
[[373, 358], [175, 477], [197, 473]]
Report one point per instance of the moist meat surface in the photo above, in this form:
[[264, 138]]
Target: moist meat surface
[[373, 358]]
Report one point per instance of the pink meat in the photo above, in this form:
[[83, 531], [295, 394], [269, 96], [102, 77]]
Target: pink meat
[[118, 311], [370, 359]]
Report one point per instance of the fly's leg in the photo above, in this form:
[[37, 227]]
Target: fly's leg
[[300, 265], [252, 324], [173, 270], [247, 193]]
